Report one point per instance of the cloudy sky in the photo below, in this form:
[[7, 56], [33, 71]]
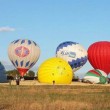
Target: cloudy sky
[[50, 22]]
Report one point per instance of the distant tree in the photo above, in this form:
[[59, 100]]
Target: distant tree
[[12, 73], [30, 73]]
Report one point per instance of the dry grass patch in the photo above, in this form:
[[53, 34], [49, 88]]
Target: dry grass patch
[[48, 97]]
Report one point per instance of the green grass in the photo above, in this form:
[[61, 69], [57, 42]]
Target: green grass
[[48, 97]]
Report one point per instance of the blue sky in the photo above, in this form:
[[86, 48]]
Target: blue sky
[[50, 22]]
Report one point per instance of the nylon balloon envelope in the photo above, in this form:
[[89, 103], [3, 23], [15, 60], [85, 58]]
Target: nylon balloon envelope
[[73, 53], [23, 54], [55, 70], [96, 76], [99, 55]]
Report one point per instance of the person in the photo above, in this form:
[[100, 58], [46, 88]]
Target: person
[[53, 82], [17, 80], [108, 80]]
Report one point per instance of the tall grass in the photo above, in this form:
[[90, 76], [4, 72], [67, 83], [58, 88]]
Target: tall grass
[[48, 97]]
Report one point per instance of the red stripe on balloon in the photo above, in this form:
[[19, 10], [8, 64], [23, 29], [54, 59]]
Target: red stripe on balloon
[[95, 72]]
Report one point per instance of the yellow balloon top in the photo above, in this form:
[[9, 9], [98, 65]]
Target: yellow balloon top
[[55, 70]]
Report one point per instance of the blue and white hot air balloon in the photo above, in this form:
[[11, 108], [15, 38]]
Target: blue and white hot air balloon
[[73, 53], [23, 54]]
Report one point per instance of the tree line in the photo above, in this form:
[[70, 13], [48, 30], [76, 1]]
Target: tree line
[[11, 74]]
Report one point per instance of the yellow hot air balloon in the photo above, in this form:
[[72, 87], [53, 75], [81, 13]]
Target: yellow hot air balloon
[[55, 70]]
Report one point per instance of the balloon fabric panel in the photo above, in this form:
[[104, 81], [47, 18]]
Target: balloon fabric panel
[[55, 69], [73, 53], [99, 55], [96, 76], [23, 54]]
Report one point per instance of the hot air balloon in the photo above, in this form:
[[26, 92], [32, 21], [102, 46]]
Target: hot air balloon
[[73, 53], [55, 70], [3, 77], [23, 54], [96, 76], [99, 55]]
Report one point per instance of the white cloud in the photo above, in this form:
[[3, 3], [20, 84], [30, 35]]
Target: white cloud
[[6, 29]]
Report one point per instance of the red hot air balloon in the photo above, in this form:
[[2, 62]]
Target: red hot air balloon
[[99, 55]]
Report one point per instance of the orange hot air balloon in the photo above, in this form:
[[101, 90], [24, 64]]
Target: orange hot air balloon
[[99, 55]]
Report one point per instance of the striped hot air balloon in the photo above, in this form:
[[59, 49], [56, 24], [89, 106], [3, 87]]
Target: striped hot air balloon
[[96, 76], [23, 54], [73, 53], [55, 70]]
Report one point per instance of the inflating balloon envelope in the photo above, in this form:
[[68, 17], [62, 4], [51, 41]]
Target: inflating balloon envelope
[[99, 55], [23, 54], [95, 76], [55, 71], [73, 53]]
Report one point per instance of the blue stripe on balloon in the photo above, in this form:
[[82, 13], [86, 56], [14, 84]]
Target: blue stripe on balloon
[[78, 62], [27, 63], [12, 62], [23, 41], [29, 42], [65, 44], [16, 41], [85, 59], [34, 43], [72, 63], [82, 61], [21, 63], [31, 64], [16, 62], [13, 41]]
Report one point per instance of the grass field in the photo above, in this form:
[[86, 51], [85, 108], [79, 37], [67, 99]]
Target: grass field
[[54, 97]]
